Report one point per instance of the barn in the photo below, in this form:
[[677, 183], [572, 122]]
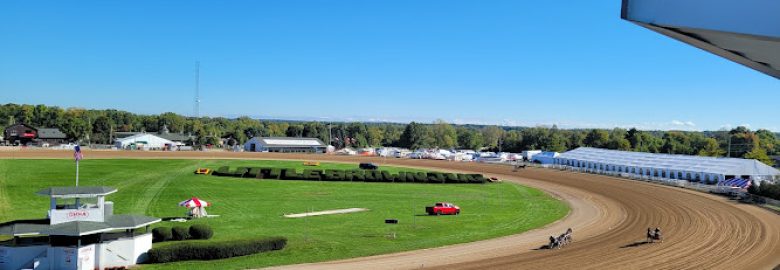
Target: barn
[[285, 145]]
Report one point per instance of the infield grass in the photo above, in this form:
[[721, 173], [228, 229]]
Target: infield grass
[[252, 208]]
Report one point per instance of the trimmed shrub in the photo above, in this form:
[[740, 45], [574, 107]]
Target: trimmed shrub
[[201, 231], [291, 174], [314, 175], [161, 234], [333, 175], [180, 233], [352, 175], [208, 250]]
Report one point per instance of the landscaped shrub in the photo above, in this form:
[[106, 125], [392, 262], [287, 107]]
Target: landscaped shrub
[[162, 234], [180, 233], [201, 231], [351, 175], [766, 189], [207, 250]]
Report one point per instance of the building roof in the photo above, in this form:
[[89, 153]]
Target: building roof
[[77, 228], [140, 137], [51, 133], [176, 137], [129, 221], [289, 142], [725, 166], [76, 192], [746, 32]]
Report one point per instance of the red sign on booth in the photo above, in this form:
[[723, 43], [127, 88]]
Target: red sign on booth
[[77, 214]]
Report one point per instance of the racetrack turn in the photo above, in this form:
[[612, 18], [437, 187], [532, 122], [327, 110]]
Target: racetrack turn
[[609, 217]]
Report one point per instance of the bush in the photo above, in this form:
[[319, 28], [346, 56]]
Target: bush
[[351, 175], [766, 189], [162, 234], [180, 233], [201, 231], [206, 250]]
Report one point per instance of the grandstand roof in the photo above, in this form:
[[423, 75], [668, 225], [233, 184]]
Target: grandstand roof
[[725, 166], [746, 31]]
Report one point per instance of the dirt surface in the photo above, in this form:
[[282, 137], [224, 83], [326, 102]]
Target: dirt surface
[[609, 217]]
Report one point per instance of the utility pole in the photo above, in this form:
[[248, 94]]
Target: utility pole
[[197, 89], [729, 149]]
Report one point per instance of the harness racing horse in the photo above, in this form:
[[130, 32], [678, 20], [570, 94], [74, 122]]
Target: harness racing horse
[[568, 234], [652, 236], [554, 243]]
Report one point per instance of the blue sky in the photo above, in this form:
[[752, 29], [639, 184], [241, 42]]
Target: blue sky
[[575, 64]]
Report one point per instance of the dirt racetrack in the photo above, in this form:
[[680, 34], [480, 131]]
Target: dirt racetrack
[[609, 217]]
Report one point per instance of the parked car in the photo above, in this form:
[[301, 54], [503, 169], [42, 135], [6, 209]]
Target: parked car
[[368, 166], [443, 208]]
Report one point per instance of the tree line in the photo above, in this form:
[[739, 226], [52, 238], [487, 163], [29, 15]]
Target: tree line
[[100, 127]]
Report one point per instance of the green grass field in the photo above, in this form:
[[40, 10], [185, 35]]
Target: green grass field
[[249, 207]]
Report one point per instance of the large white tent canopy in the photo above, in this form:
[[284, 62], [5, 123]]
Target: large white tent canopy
[[148, 141], [627, 161]]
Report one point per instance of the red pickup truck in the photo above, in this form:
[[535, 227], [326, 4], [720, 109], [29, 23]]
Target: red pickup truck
[[443, 208]]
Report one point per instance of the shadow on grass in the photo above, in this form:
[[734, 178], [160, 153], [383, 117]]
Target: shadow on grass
[[174, 218]]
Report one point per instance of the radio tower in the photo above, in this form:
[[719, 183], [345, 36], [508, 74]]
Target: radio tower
[[197, 89]]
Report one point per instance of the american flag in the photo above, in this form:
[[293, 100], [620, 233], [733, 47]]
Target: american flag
[[78, 155]]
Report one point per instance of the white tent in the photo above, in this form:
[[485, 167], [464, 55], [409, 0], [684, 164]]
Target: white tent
[[697, 168], [144, 141]]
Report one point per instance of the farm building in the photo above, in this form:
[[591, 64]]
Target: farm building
[[285, 145], [682, 167], [20, 134], [51, 136], [80, 232], [23, 134], [144, 141]]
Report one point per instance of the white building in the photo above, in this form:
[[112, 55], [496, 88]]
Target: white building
[[144, 141], [285, 145], [80, 233], [682, 167]]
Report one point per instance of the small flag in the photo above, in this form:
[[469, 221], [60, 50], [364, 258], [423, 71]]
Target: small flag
[[78, 155]]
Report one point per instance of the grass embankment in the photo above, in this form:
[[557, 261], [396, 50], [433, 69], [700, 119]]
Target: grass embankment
[[254, 208]]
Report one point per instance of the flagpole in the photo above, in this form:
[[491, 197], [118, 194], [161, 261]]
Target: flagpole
[[77, 173]]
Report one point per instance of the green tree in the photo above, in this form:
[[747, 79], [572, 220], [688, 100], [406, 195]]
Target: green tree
[[294, 131], [416, 136], [597, 138], [375, 136], [711, 149], [469, 138], [101, 130], [444, 135], [758, 153], [491, 136]]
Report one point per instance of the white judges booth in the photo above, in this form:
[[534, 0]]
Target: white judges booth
[[80, 232]]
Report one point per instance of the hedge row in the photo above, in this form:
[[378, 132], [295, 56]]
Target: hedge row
[[197, 231], [766, 189], [351, 175], [205, 250]]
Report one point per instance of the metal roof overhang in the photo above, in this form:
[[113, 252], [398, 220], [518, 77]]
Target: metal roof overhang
[[746, 31]]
